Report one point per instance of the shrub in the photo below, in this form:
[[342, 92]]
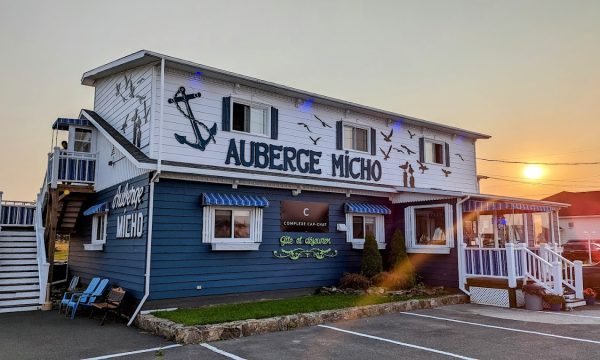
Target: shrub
[[554, 299], [354, 281], [399, 264], [371, 263]]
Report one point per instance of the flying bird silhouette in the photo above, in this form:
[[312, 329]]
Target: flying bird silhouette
[[140, 98], [422, 167], [411, 134], [446, 172], [124, 126], [460, 157], [387, 138], [325, 125], [404, 167], [398, 150], [306, 126], [409, 151], [315, 141], [386, 155]]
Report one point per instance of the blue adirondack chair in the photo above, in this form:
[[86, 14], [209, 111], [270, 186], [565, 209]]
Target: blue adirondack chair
[[71, 291], [84, 300]]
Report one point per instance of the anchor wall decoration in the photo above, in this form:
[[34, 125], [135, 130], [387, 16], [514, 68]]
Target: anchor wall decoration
[[200, 142]]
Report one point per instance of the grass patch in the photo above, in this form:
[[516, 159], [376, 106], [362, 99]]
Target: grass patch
[[269, 308]]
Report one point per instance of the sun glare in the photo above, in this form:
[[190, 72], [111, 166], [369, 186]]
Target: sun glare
[[533, 172]]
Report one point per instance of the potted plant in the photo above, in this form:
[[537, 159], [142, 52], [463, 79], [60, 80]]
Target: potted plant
[[533, 296], [590, 296], [555, 301]]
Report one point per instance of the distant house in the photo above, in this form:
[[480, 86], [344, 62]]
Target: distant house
[[582, 218]]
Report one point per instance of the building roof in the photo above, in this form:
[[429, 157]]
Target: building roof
[[585, 203], [144, 57]]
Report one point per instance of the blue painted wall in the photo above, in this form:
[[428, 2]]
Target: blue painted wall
[[181, 262], [123, 261]]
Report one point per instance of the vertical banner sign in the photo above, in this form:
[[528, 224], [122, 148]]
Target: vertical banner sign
[[303, 216]]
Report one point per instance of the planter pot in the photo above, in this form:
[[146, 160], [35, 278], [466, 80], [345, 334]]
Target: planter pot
[[555, 307], [533, 302], [590, 300]]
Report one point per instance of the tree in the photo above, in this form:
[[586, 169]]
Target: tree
[[371, 263], [398, 262]]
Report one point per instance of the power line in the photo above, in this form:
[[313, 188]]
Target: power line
[[539, 183], [554, 180], [540, 163]]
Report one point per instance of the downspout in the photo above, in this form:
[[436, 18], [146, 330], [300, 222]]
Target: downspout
[[148, 250], [460, 244], [162, 115]]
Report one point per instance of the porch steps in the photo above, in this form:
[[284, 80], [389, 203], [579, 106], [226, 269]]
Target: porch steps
[[19, 282], [571, 302]]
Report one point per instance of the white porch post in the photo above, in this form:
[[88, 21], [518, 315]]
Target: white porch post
[[511, 266], [557, 277], [54, 169], [578, 279], [1, 210]]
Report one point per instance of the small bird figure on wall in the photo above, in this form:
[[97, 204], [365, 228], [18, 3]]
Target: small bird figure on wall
[[409, 151], [306, 126], [124, 126], [446, 172], [315, 141], [398, 150], [140, 98], [387, 138], [404, 167], [460, 156], [386, 155], [411, 134], [325, 125], [422, 167]]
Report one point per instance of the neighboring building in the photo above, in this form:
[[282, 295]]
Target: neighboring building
[[581, 220], [186, 181]]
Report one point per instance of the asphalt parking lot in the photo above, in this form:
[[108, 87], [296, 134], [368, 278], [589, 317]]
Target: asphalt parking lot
[[458, 331]]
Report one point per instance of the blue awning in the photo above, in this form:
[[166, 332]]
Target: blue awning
[[64, 123], [367, 208], [96, 209], [211, 199]]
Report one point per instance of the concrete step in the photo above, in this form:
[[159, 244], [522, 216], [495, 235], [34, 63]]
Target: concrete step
[[20, 295], [17, 288], [21, 281], [18, 256], [18, 262], [17, 275], [574, 303]]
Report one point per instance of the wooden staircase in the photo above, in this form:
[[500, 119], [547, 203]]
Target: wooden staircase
[[19, 278], [68, 211]]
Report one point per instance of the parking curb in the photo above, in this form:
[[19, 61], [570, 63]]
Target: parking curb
[[242, 328]]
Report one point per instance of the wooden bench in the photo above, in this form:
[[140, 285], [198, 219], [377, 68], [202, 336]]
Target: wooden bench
[[112, 303]]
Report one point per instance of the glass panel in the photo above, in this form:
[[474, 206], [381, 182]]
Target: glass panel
[[361, 139], [486, 230], [369, 225], [83, 140], [541, 228], [99, 231], [240, 117], [439, 153], [222, 223], [430, 225], [358, 227], [512, 228], [241, 220], [258, 121], [348, 137], [83, 135]]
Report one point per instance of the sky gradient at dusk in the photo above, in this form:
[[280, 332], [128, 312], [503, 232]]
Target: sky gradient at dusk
[[525, 72]]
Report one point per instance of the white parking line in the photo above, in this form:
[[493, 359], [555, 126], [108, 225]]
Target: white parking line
[[133, 352], [503, 328], [398, 342], [224, 353], [563, 314]]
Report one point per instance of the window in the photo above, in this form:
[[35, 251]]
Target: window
[[541, 228], [356, 138], [82, 141], [358, 226], [232, 228], [434, 152], [514, 228], [250, 118], [99, 229], [429, 228]]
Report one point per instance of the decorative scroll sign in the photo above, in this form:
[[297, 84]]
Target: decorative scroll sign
[[131, 225], [298, 253]]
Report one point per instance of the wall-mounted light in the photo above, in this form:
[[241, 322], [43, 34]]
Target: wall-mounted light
[[296, 192]]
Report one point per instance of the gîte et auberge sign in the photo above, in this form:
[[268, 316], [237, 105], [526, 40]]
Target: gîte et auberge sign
[[129, 225]]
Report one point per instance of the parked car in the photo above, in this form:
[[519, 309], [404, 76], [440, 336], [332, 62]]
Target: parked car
[[580, 249]]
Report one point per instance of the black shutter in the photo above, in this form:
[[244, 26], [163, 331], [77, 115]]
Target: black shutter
[[339, 140], [373, 142], [422, 149], [447, 154], [274, 123], [225, 126]]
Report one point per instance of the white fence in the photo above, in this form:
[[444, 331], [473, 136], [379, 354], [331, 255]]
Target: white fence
[[71, 166], [16, 213]]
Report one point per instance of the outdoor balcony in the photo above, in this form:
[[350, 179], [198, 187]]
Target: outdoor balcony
[[71, 168]]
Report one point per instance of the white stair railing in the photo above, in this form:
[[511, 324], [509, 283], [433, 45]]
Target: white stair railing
[[43, 265], [572, 271]]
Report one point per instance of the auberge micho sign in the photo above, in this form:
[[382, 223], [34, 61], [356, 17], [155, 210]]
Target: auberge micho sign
[[304, 216]]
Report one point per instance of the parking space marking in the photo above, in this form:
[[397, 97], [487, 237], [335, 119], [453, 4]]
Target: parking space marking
[[398, 342], [562, 314], [221, 352], [133, 352], [503, 328]]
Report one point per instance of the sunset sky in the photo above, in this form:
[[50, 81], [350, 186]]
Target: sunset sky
[[526, 72]]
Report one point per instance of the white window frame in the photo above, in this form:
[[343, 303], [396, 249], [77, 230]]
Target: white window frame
[[357, 126], [71, 139], [255, 105], [379, 230], [410, 230], [95, 243], [433, 141], [251, 243]]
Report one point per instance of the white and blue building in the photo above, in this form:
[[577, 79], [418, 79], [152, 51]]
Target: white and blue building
[[186, 181]]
